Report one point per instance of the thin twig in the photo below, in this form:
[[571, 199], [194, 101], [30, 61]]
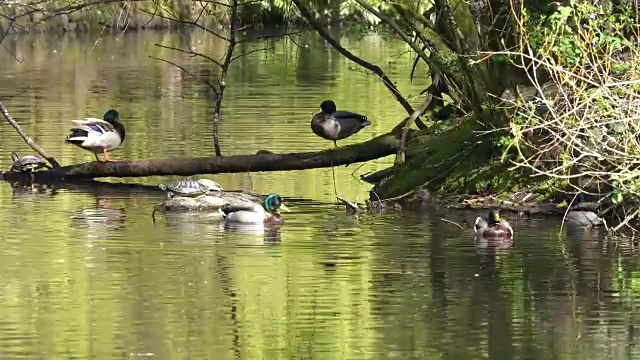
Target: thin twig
[[207, 82], [27, 139], [452, 222], [190, 52], [250, 52]]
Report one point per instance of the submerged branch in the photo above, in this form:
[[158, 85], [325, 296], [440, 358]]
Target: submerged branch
[[375, 148], [26, 138], [306, 13]]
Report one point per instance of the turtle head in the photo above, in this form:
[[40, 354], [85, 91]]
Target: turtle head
[[111, 116], [14, 157], [273, 203], [328, 107]]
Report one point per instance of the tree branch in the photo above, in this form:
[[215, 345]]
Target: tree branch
[[190, 52], [249, 52], [306, 13], [27, 139], [207, 82], [193, 23], [375, 148], [223, 76], [432, 65]]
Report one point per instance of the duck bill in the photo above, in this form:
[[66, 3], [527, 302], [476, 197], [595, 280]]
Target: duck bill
[[284, 207]]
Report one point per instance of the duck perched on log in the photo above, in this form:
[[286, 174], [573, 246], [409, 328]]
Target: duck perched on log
[[334, 125], [255, 213], [98, 136], [492, 227]]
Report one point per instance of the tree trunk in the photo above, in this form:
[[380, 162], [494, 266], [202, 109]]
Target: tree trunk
[[375, 148]]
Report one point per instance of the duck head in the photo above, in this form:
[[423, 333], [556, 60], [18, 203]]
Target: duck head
[[494, 216], [111, 116], [273, 203], [328, 107]]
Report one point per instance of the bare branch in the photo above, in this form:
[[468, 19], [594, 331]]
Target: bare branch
[[306, 13], [223, 76], [192, 23], [249, 52], [271, 36], [401, 33], [188, 73], [190, 52], [27, 139]]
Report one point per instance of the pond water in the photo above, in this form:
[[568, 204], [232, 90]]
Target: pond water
[[85, 274]]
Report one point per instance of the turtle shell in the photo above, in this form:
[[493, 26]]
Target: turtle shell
[[186, 187], [26, 163]]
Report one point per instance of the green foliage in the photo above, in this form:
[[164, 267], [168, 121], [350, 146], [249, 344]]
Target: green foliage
[[563, 33]]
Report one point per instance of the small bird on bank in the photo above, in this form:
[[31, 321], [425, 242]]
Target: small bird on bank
[[98, 136], [334, 125]]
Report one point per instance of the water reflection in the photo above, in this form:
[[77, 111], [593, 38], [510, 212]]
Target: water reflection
[[102, 220], [324, 284]]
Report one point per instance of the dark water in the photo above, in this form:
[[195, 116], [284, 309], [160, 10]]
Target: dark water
[[84, 273]]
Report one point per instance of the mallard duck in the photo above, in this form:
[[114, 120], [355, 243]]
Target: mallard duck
[[336, 125], [98, 136], [254, 213], [492, 226]]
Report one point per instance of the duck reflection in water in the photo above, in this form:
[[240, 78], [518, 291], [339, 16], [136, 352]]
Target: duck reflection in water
[[100, 221], [271, 233]]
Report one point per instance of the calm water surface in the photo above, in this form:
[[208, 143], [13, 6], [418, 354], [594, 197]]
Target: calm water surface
[[85, 274]]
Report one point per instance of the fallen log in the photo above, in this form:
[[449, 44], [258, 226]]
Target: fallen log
[[375, 148]]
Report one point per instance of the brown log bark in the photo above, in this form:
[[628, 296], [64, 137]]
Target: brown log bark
[[375, 148]]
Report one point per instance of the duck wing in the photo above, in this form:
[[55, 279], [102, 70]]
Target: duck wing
[[228, 208], [480, 223], [348, 115], [349, 123], [93, 125]]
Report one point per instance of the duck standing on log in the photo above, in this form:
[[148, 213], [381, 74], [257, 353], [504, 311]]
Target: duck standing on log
[[98, 136], [334, 125]]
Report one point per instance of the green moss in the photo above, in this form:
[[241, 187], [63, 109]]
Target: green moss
[[457, 161]]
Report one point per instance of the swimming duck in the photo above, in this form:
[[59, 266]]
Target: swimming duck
[[98, 136], [253, 213], [336, 125], [492, 226]]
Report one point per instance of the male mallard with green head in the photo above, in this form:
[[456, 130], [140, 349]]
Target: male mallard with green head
[[493, 226], [98, 136], [336, 125], [253, 213]]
